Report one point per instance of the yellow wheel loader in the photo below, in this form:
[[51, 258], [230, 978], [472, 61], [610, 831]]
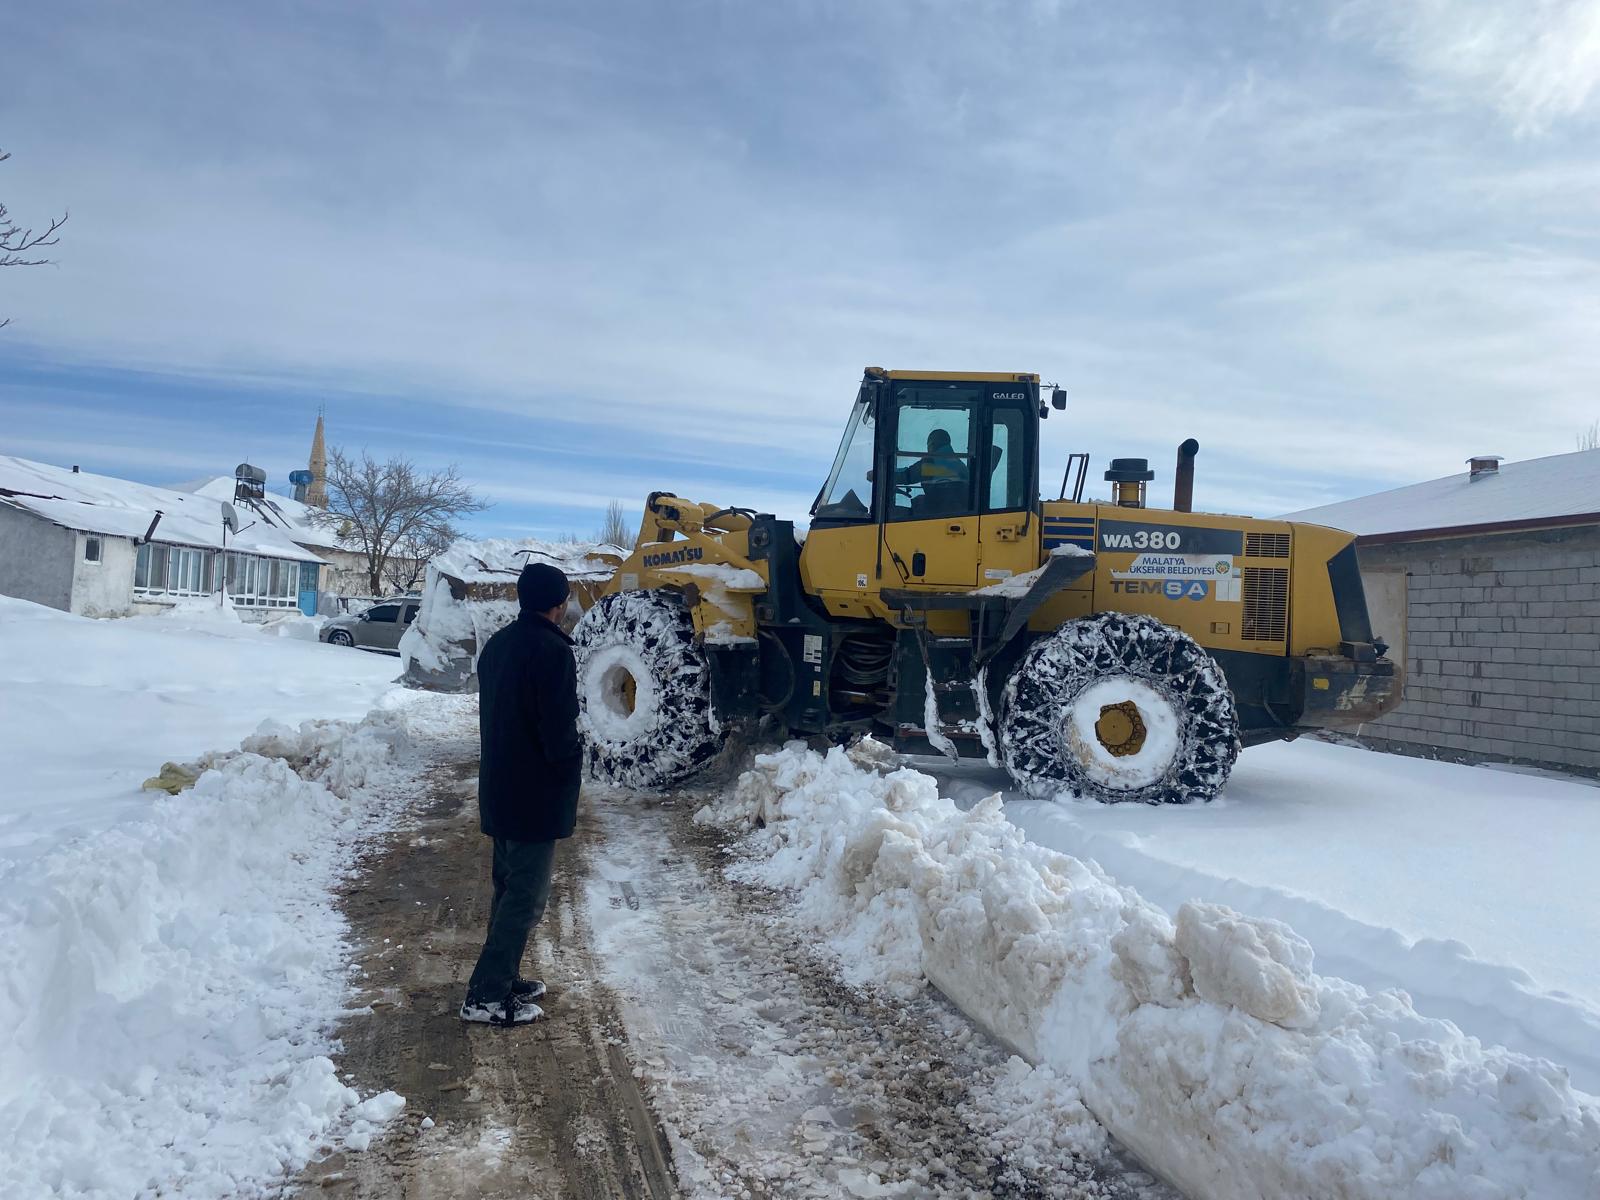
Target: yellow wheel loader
[[1107, 648]]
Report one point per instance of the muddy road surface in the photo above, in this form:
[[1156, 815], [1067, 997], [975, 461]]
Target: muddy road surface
[[694, 1043]]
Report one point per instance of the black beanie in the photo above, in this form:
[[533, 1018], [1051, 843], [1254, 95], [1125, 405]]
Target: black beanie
[[541, 587]]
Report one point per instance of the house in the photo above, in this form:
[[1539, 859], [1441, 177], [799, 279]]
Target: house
[[105, 547], [302, 520], [346, 574], [1486, 585]]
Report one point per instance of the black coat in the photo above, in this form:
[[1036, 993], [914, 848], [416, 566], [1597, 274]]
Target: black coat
[[528, 720]]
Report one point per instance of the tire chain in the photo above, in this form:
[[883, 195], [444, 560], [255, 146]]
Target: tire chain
[[1057, 668]]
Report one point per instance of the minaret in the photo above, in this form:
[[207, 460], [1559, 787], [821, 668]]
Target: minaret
[[317, 493]]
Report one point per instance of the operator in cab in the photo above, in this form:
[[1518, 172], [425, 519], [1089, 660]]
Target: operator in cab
[[940, 465]]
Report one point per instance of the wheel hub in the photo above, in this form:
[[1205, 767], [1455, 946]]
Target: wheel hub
[[1121, 729]]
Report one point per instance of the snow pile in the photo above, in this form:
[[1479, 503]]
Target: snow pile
[[1482, 929], [168, 986], [90, 709], [1207, 1045], [470, 593]]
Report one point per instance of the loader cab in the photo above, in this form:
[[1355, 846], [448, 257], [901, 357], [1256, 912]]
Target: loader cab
[[934, 485]]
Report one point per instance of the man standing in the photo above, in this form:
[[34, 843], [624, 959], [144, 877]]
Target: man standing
[[527, 786]]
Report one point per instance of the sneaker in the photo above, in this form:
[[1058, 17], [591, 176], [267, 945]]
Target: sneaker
[[514, 1010], [528, 989]]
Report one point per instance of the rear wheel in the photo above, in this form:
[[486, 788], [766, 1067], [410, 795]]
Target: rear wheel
[[1119, 706], [644, 691]]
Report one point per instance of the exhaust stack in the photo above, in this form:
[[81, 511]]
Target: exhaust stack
[[1183, 478]]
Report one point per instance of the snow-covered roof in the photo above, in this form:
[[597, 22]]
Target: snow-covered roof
[[123, 508], [1559, 487], [291, 516], [502, 559]]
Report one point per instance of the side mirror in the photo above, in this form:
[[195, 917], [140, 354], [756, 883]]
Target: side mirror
[[1058, 399]]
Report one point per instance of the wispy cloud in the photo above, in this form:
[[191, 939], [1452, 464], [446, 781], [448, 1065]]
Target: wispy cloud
[[591, 249]]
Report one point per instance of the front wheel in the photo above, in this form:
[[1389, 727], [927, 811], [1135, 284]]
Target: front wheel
[[1116, 707], [644, 691], [340, 638]]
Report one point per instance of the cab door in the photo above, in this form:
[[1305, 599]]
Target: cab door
[[1008, 489], [931, 515]]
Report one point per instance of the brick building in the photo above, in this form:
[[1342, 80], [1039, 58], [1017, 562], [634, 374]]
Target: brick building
[[1487, 586]]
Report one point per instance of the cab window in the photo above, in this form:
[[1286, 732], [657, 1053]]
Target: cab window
[[1005, 473], [383, 612], [933, 460], [847, 496]]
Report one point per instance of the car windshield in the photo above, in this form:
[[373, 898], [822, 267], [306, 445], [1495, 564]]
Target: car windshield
[[847, 496]]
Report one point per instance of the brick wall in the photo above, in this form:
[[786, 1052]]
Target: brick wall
[[1502, 650]]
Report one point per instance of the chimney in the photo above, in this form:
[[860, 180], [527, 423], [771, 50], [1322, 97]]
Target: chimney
[[1483, 464], [74, 468]]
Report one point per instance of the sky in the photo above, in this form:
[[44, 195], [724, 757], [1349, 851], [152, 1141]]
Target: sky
[[589, 250]]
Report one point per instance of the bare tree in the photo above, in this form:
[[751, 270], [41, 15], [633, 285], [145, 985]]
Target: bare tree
[[392, 510], [18, 243], [408, 565], [1589, 439], [614, 529]]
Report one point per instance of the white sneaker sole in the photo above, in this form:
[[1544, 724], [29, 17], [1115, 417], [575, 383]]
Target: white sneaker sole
[[487, 1014]]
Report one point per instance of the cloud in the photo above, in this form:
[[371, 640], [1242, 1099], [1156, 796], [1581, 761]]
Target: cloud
[[1536, 62], [592, 249]]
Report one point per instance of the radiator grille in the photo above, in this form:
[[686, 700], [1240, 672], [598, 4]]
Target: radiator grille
[[1266, 545], [1266, 604]]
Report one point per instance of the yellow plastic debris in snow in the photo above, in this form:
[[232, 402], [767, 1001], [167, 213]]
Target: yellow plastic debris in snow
[[174, 778]]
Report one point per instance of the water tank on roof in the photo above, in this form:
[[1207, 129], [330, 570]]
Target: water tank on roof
[[249, 483]]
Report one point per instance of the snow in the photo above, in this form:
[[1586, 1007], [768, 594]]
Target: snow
[[1013, 587], [169, 982], [1208, 1044], [500, 560], [932, 725], [1559, 485], [609, 715], [469, 594], [1163, 733], [296, 519], [89, 709], [122, 508], [722, 575], [1468, 888]]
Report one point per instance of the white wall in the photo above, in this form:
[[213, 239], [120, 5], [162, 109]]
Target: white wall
[[104, 588]]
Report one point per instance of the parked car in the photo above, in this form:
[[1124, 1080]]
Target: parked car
[[378, 628]]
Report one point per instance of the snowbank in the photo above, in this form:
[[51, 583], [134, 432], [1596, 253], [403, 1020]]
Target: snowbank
[[90, 709], [1469, 889], [168, 986], [1207, 1045], [470, 593]]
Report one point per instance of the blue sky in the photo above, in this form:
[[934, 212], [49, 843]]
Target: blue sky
[[586, 250]]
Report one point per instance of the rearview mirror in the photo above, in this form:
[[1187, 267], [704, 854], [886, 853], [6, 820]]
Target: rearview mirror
[[1058, 399]]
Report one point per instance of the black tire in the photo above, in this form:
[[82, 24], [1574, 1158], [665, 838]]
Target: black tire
[[1177, 744], [644, 692], [340, 638]]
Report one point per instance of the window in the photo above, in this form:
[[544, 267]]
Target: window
[[384, 612], [1007, 468], [847, 496], [933, 473], [91, 549], [173, 570], [256, 582], [411, 614]]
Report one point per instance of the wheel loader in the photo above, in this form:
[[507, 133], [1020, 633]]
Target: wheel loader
[[1105, 648]]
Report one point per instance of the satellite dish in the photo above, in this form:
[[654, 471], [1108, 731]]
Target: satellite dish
[[230, 518]]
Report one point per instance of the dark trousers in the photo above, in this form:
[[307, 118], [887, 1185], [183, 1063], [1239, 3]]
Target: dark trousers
[[521, 891]]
